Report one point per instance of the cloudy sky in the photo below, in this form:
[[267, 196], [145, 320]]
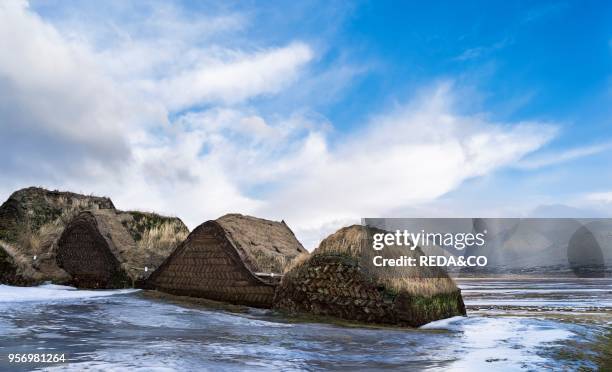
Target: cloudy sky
[[318, 113]]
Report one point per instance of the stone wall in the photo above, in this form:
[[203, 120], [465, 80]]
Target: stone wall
[[334, 285]]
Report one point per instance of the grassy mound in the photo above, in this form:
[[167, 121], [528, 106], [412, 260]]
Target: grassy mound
[[338, 280], [31, 221]]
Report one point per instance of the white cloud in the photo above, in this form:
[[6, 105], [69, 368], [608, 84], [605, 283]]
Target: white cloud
[[57, 108], [183, 59], [599, 197], [74, 119], [234, 80], [411, 156], [67, 110], [545, 160]]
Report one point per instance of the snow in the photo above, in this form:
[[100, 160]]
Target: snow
[[52, 292]]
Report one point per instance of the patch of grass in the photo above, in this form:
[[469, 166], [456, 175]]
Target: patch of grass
[[296, 262], [595, 355], [268, 261], [162, 237], [36, 238], [604, 352], [140, 223], [353, 242], [15, 267], [440, 303], [426, 287]]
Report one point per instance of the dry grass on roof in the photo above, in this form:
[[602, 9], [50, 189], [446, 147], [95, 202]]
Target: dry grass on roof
[[161, 238], [35, 212], [35, 242], [137, 244], [346, 241], [32, 248], [421, 286], [353, 241], [141, 223], [22, 263], [156, 236], [269, 245], [297, 262]]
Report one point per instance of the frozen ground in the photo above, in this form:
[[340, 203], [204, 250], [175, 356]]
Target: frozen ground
[[512, 325]]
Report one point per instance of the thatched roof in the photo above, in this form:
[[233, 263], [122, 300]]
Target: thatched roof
[[264, 245], [28, 210], [138, 223], [339, 279], [31, 221], [156, 237], [136, 239], [353, 241], [237, 259]]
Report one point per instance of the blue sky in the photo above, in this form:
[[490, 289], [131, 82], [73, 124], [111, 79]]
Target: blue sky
[[318, 113]]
